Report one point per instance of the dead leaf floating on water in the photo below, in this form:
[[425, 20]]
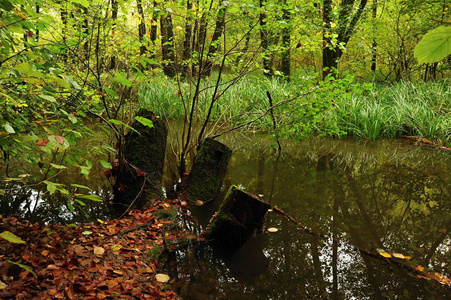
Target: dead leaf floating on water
[[401, 256], [163, 278], [272, 229]]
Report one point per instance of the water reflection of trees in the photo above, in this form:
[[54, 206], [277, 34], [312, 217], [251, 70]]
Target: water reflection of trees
[[374, 200]]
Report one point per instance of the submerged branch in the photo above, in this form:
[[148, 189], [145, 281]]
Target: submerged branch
[[418, 270]]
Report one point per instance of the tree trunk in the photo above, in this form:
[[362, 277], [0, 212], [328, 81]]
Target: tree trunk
[[215, 41], [264, 41], [114, 8], [153, 32], [286, 41], [141, 27], [374, 46], [239, 217], [187, 43], [209, 169], [346, 24], [167, 45]]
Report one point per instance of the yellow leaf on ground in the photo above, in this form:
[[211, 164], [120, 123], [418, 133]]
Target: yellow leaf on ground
[[272, 229], [162, 278], [385, 254]]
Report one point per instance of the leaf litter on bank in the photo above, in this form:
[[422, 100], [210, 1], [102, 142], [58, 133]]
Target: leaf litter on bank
[[110, 263]]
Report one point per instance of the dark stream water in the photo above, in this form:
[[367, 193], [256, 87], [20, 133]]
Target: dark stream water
[[380, 195], [383, 195]]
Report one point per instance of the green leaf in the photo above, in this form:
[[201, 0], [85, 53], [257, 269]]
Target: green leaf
[[80, 186], [11, 237], [105, 164], [86, 232], [70, 207], [434, 46], [51, 186], [80, 202], [48, 98], [24, 267], [9, 128], [123, 81], [2, 192], [151, 61], [89, 197], [144, 121], [58, 166]]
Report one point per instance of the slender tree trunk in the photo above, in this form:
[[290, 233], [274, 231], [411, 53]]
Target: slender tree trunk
[[329, 59], [38, 10], [264, 41], [187, 43], [141, 27], [85, 26], [215, 41], [114, 9], [374, 46], [64, 30], [153, 32], [167, 45], [286, 41]]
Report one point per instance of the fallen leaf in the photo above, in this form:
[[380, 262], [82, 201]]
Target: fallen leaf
[[11, 237], [99, 251], [2, 285], [116, 247], [385, 254], [145, 270], [399, 255], [272, 229], [199, 203], [52, 267], [162, 278], [419, 268]]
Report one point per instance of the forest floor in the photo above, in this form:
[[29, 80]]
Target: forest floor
[[114, 259]]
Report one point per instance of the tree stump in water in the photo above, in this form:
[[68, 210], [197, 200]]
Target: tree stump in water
[[209, 169], [238, 218], [140, 177]]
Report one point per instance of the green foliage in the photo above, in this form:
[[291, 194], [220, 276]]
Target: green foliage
[[434, 46]]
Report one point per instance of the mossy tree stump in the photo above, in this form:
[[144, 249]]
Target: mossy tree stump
[[238, 218], [209, 169], [142, 170]]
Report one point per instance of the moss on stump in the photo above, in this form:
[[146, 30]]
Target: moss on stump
[[145, 149], [209, 169], [238, 218]]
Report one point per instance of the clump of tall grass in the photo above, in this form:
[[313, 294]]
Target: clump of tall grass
[[405, 108], [369, 111], [239, 102]]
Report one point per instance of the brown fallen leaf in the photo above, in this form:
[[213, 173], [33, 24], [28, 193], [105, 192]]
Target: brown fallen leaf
[[99, 251], [52, 267], [145, 270]]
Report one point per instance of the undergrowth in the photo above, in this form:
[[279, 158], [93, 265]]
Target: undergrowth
[[335, 108]]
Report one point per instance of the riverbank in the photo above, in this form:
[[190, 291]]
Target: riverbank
[[116, 259]]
